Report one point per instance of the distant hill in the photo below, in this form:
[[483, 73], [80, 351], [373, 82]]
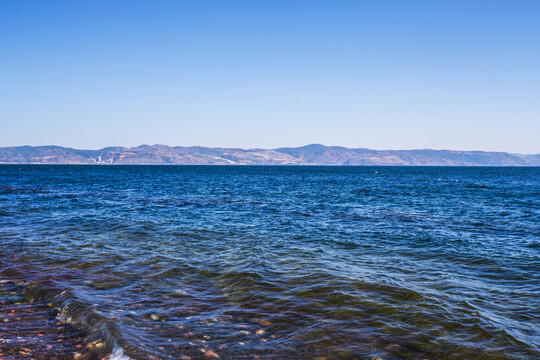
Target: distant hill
[[314, 154]]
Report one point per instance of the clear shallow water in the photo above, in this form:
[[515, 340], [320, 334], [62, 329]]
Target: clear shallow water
[[282, 262]]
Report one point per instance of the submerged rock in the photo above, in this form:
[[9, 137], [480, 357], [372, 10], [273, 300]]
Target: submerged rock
[[210, 353]]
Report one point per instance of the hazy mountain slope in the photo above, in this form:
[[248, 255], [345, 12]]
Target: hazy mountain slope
[[306, 155], [44, 154], [335, 155], [144, 154], [533, 160]]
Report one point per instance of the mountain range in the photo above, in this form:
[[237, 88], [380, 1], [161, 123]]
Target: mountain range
[[314, 154]]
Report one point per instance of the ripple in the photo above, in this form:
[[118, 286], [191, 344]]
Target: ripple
[[288, 262]]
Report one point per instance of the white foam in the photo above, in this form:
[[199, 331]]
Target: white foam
[[118, 354]]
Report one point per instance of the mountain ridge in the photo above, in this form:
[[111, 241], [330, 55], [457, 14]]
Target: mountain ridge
[[312, 154]]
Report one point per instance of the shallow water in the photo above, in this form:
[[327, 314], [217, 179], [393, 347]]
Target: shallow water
[[281, 262]]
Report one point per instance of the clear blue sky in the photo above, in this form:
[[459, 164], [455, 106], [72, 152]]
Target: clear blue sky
[[378, 74]]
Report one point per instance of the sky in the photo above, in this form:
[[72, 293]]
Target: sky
[[444, 74]]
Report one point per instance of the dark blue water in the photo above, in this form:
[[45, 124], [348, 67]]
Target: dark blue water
[[281, 262]]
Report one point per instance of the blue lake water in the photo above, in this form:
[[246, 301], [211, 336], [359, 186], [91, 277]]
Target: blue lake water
[[160, 262]]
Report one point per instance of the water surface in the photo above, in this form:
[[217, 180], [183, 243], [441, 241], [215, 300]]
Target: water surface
[[281, 262]]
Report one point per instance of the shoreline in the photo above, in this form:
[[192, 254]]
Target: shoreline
[[31, 328]]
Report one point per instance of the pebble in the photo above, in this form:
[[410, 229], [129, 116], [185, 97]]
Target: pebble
[[210, 353], [260, 332]]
